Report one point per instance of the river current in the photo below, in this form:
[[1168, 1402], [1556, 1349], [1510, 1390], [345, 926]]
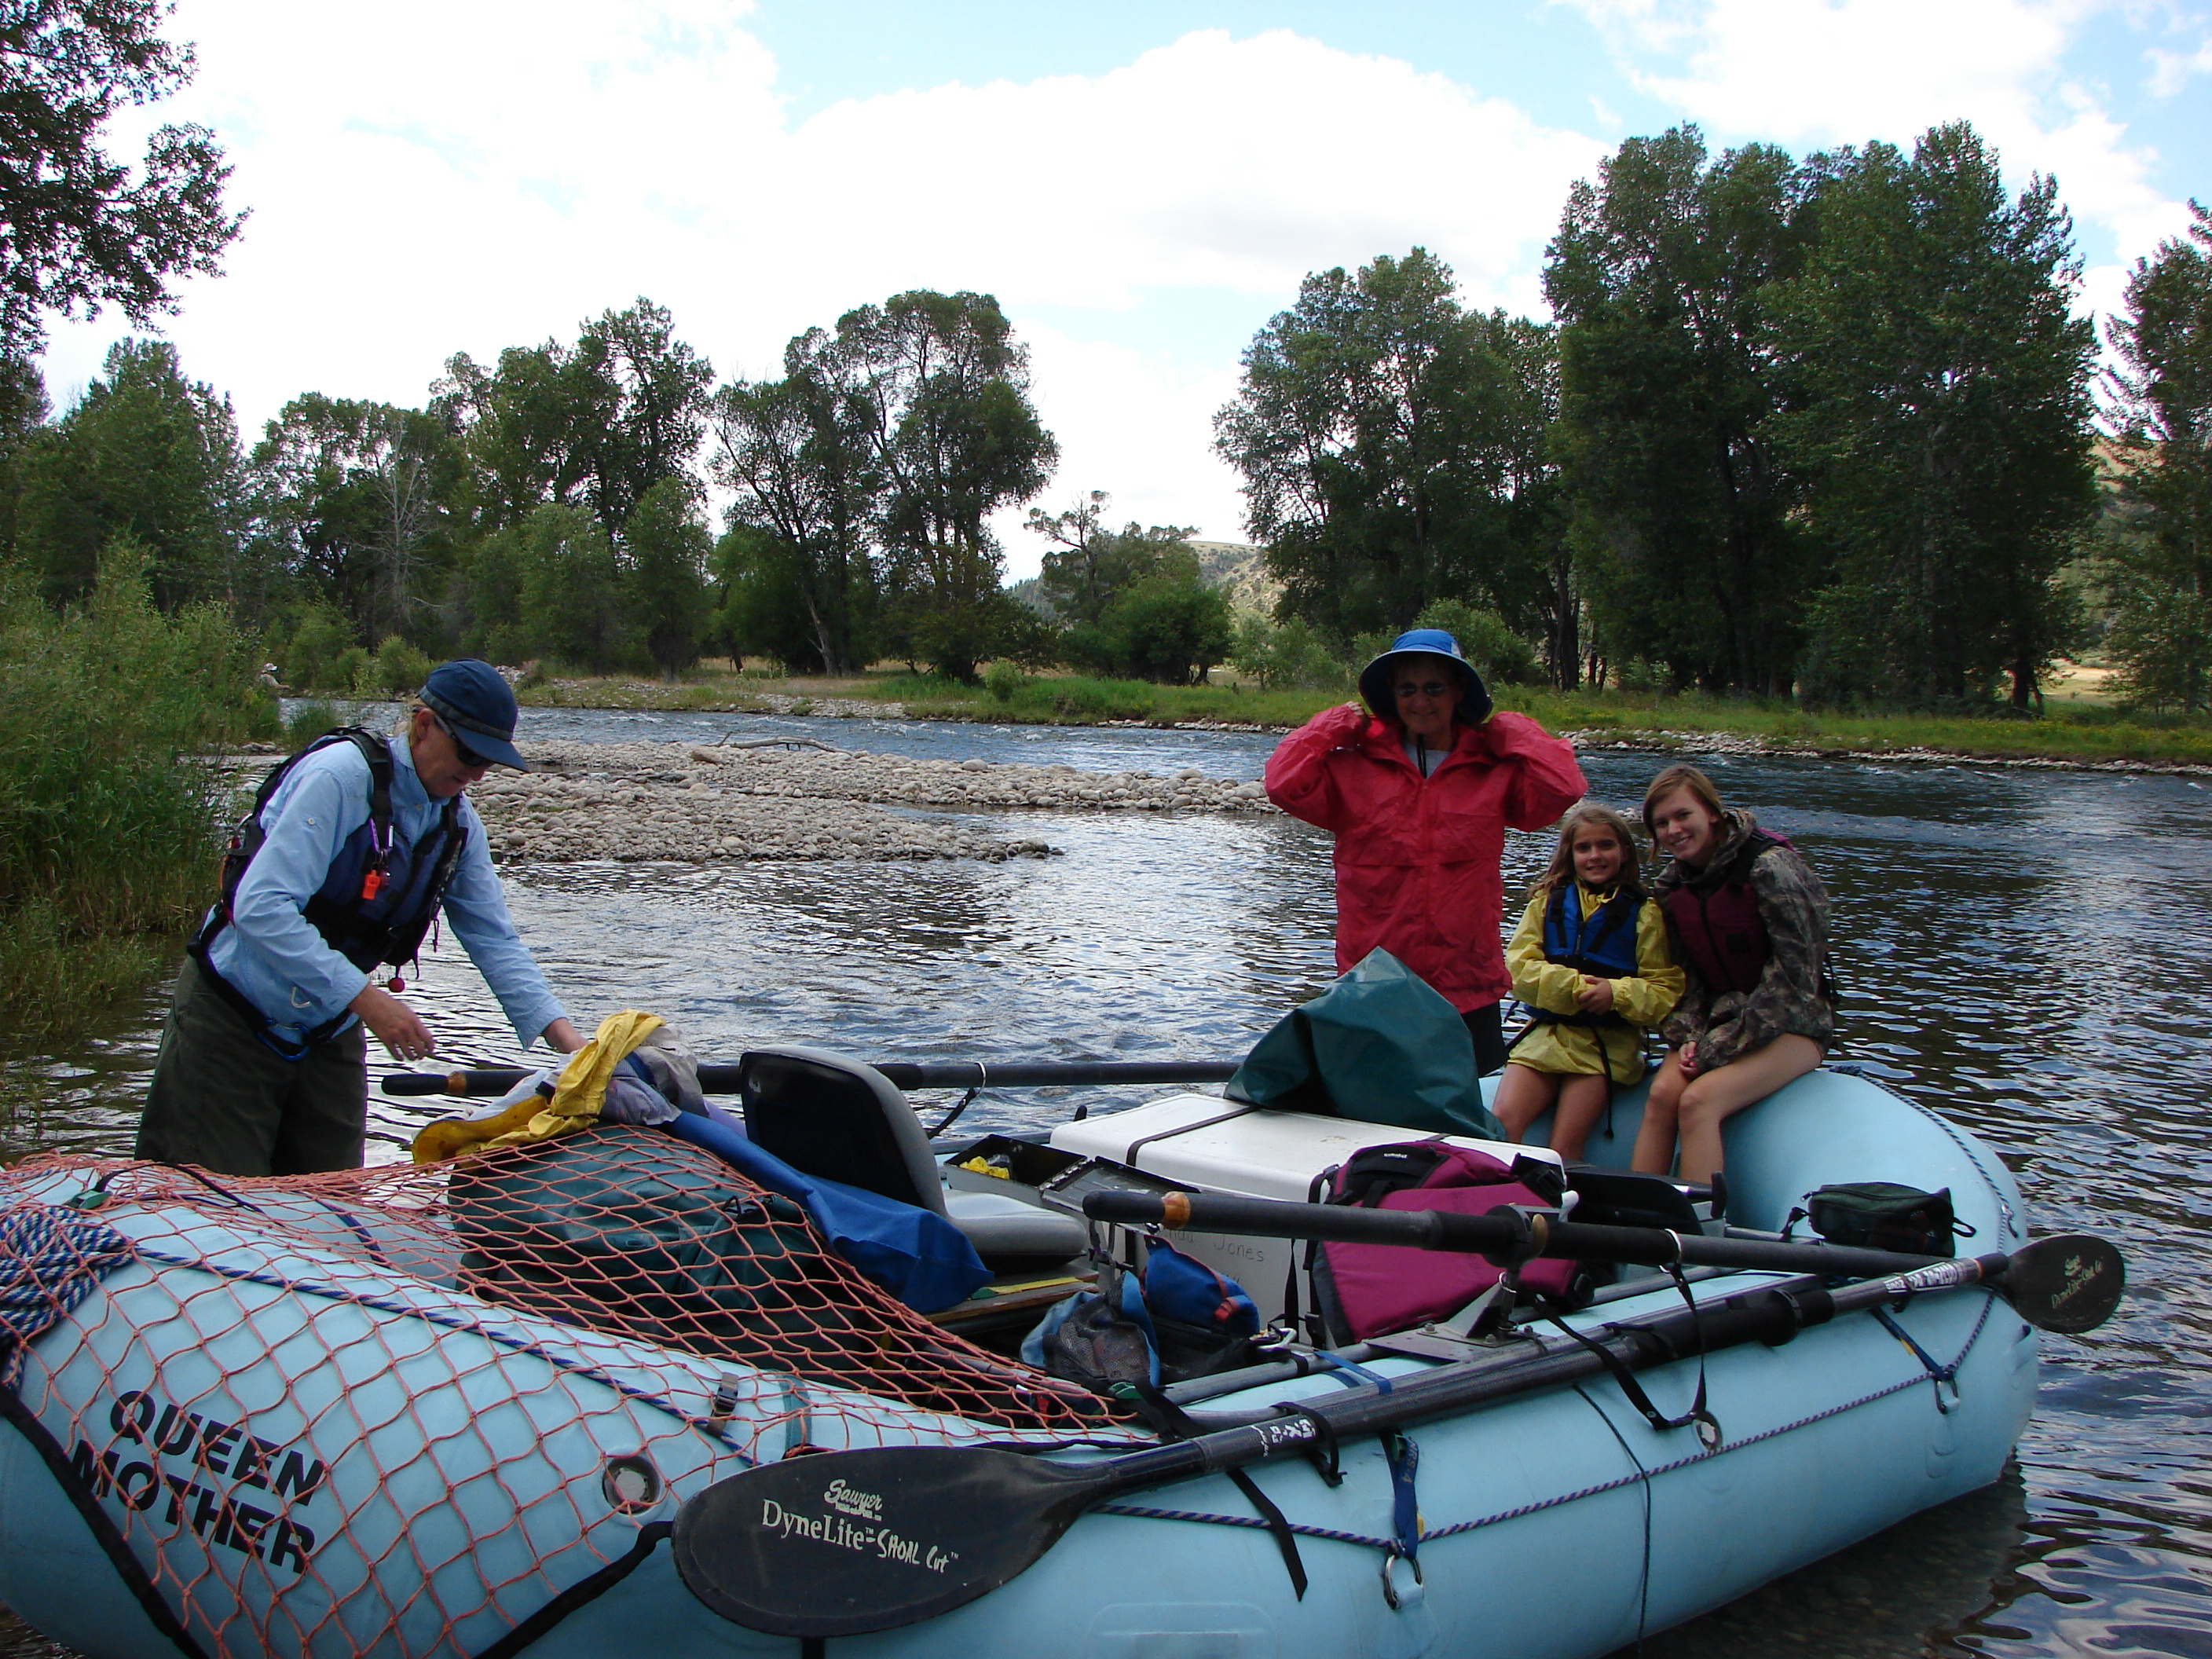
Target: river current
[[2030, 950]]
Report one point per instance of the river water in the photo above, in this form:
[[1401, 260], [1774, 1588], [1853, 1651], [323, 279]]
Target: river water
[[2029, 950]]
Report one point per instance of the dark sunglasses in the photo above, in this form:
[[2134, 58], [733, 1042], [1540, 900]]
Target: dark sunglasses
[[467, 756], [1432, 690]]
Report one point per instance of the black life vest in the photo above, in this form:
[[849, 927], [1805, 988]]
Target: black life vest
[[1723, 936], [378, 900]]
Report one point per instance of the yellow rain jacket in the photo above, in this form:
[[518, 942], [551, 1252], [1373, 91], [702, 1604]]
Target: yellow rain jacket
[[1643, 1002], [577, 1094]]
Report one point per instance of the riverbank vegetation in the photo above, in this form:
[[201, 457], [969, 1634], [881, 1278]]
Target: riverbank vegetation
[[2085, 730], [1805, 439], [107, 830]]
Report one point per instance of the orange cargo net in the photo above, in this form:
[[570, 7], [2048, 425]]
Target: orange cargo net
[[404, 1409], [630, 1249]]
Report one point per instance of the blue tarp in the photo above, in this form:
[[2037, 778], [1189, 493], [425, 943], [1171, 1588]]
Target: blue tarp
[[915, 1254]]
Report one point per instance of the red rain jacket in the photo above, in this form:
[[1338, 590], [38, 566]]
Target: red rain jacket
[[1417, 860]]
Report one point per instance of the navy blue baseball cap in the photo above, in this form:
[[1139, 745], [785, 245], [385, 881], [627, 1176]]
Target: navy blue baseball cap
[[471, 697]]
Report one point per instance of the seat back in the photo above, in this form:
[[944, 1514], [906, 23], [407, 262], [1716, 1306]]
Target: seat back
[[839, 1119]]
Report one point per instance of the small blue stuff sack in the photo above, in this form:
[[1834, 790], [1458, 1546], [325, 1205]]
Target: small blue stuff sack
[[1202, 1322]]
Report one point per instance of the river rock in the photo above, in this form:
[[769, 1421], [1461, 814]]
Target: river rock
[[702, 802]]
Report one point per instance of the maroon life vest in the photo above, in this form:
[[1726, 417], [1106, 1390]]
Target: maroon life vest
[[1723, 936]]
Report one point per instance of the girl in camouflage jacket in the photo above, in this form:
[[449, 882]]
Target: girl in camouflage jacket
[[1748, 923]]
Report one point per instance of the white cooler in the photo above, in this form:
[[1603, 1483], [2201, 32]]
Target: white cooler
[[1207, 1144]]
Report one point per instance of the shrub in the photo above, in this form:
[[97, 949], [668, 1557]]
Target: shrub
[[1002, 679], [1499, 655], [401, 666], [105, 830]]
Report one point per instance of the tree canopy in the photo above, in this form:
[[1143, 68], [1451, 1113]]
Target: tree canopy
[[79, 229]]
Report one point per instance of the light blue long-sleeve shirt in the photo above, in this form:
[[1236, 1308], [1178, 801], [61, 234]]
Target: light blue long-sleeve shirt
[[271, 953]]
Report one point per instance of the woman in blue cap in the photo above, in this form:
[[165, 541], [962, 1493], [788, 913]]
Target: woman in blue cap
[[1419, 797], [354, 847]]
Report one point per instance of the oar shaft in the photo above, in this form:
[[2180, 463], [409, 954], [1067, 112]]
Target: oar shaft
[[722, 1078], [1773, 1314], [1499, 1236]]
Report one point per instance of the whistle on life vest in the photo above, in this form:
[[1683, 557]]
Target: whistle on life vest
[[370, 882]]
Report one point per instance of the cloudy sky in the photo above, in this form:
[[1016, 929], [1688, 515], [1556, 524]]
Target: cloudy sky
[[1142, 184]]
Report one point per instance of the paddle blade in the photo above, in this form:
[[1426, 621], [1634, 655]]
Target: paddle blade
[[841, 1543], [2067, 1282]]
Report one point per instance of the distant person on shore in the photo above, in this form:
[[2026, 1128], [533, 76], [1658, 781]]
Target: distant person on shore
[[1749, 924], [1420, 796], [1590, 963], [354, 851]]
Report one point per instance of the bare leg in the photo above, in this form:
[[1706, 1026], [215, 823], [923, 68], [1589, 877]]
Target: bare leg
[[1522, 1094], [1655, 1141], [1582, 1099], [1714, 1095]]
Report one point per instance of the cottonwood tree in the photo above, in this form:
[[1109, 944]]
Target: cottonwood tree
[[353, 491], [953, 438], [595, 424], [1939, 416], [145, 452], [799, 457], [78, 229], [2160, 568], [1682, 507], [1372, 432], [665, 547], [1134, 600]]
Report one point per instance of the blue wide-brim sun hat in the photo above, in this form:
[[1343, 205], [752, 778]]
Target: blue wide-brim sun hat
[[1474, 704]]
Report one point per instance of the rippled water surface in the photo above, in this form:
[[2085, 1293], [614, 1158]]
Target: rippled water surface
[[2030, 950]]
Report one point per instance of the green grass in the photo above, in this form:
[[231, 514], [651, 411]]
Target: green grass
[[2073, 730]]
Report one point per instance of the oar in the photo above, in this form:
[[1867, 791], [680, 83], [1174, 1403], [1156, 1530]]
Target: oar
[[2090, 1289], [722, 1079], [843, 1543]]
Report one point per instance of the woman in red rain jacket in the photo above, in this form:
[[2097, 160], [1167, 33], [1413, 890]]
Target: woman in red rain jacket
[[1420, 798]]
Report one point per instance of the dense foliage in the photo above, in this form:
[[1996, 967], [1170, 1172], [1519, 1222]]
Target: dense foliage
[[1818, 426], [81, 229], [2158, 559]]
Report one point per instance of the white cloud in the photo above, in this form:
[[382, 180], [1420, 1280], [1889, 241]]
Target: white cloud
[[2173, 70], [1814, 72], [434, 178]]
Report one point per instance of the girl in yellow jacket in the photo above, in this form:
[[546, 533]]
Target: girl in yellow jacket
[[1590, 962]]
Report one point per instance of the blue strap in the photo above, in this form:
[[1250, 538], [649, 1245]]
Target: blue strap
[[1937, 1375], [1403, 1454], [1355, 1375]]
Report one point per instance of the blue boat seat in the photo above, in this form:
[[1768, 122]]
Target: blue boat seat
[[842, 1120]]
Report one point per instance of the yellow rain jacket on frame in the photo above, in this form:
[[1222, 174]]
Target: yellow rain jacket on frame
[[1643, 1002]]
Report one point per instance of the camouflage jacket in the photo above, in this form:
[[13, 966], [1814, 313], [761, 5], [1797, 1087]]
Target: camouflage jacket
[[1791, 993]]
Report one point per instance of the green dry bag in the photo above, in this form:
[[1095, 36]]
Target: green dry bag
[[1379, 1045]]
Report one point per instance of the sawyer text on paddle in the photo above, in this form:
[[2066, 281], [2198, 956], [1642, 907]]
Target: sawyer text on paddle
[[842, 1533], [147, 1431]]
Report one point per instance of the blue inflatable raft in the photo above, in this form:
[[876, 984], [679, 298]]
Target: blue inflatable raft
[[430, 1412]]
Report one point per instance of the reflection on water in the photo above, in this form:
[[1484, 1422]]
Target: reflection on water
[[2028, 950]]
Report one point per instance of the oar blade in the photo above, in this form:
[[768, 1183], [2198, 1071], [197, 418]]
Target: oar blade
[[2067, 1282], [842, 1543]]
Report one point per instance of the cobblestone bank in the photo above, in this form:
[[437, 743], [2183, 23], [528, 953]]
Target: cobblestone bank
[[701, 803]]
